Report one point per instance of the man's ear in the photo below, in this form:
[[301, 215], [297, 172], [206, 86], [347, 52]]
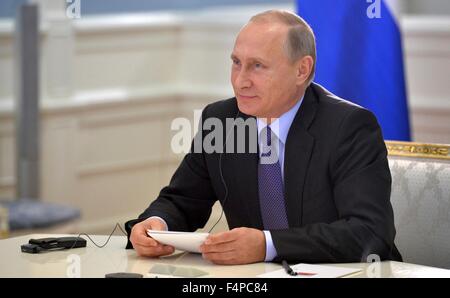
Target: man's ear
[[304, 69]]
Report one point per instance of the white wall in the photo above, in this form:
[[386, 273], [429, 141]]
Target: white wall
[[111, 87], [429, 7], [427, 53]]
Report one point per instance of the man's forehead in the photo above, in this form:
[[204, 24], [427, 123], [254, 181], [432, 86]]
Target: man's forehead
[[263, 32], [255, 38]]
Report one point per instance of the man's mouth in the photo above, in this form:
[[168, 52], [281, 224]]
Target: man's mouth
[[246, 97]]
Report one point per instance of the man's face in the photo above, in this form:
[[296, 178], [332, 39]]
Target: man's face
[[264, 80]]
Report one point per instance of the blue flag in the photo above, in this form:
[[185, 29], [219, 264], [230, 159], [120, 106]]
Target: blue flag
[[359, 57]]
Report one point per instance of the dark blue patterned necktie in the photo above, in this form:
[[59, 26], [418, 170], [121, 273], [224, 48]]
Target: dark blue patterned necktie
[[270, 185]]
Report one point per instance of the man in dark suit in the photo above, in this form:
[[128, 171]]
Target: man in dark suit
[[326, 198]]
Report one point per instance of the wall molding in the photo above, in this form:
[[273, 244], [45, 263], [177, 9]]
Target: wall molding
[[118, 98], [94, 169], [7, 182]]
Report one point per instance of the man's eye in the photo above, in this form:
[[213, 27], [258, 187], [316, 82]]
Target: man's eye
[[258, 65], [236, 62]]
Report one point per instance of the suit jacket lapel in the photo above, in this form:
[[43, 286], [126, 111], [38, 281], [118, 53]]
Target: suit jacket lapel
[[247, 165], [244, 167], [298, 150]]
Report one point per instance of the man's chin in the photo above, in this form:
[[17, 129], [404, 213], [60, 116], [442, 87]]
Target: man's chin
[[247, 109]]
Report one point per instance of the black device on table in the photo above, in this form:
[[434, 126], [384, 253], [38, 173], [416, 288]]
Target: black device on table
[[54, 243]]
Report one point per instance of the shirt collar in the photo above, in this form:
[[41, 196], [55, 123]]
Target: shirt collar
[[280, 127]]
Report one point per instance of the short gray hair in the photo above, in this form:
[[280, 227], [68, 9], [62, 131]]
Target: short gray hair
[[300, 40]]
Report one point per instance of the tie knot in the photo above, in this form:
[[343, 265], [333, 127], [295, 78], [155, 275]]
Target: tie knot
[[266, 136], [268, 145]]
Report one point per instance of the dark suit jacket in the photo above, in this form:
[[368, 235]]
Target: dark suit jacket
[[337, 185]]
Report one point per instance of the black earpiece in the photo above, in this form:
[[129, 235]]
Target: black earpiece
[[221, 175]]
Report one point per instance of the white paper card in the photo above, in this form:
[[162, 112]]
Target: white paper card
[[187, 241], [312, 271]]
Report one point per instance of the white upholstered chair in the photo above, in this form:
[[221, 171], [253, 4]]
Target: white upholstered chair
[[421, 201]]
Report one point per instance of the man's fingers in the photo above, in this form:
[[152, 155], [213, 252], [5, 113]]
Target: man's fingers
[[221, 237], [220, 247], [160, 250], [144, 244], [143, 240], [139, 234], [148, 242]]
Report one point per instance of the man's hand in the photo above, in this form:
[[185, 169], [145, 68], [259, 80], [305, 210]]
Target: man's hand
[[238, 246], [144, 244]]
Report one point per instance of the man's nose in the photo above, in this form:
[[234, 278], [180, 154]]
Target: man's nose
[[242, 80]]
